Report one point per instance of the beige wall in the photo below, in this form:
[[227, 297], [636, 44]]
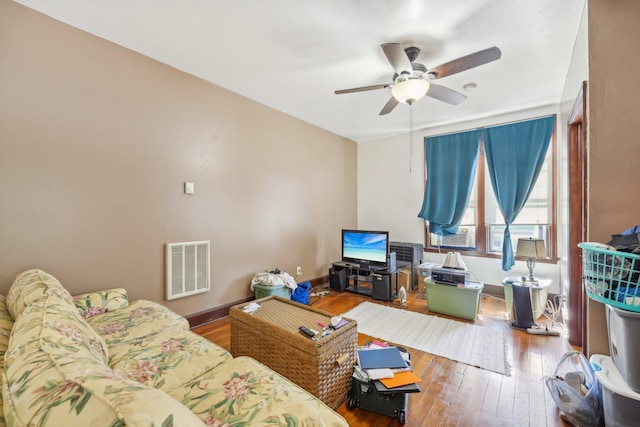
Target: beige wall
[[613, 134], [96, 143]]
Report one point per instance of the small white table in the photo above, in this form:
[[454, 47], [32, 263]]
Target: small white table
[[539, 293]]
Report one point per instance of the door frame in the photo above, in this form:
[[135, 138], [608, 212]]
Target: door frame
[[577, 147]]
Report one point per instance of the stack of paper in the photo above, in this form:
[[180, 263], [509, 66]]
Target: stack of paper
[[400, 379], [376, 358], [389, 365]]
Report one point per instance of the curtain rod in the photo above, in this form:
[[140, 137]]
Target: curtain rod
[[492, 126]]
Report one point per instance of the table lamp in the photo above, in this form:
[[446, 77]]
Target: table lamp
[[531, 249], [454, 260]]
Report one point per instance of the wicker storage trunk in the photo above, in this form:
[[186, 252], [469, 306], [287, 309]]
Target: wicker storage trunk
[[271, 336]]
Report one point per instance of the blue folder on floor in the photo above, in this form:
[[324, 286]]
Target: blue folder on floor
[[381, 358]]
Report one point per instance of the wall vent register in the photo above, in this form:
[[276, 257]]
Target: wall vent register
[[187, 269]]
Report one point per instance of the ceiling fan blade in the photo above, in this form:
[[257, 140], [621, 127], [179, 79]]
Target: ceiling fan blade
[[397, 58], [363, 88], [389, 106], [466, 62], [445, 94]]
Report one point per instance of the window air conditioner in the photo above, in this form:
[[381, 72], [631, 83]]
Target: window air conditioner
[[462, 239]]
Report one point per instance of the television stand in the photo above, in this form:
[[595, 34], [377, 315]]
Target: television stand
[[375, 282]]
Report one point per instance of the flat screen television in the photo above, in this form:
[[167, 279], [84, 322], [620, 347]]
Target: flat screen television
[[367, 248]]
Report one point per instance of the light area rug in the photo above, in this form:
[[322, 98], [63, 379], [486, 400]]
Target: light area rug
[[463, 342]]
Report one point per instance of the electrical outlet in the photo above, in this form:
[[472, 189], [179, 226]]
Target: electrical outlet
[[299, 271]]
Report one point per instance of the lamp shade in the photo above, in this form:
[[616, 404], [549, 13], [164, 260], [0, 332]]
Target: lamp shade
[[531, 248], [454, 260], [410, 90]]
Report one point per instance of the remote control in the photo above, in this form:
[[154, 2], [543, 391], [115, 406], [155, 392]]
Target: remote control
[[308, 332]]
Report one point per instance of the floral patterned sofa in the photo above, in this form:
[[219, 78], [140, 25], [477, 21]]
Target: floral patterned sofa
[[98, 360]]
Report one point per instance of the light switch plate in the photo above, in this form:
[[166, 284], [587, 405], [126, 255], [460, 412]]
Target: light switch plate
[[189, 188]]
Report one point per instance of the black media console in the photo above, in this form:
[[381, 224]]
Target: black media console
[[363, 279]]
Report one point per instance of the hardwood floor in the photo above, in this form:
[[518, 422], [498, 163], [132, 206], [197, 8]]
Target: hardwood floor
[[455, 394]]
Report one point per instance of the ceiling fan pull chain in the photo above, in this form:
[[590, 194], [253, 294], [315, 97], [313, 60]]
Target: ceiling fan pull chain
[[410, 136]]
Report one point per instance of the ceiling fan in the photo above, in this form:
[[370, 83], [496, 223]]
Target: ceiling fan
[[412, 80]]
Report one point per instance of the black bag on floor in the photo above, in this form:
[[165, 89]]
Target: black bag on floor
[[373, 396]]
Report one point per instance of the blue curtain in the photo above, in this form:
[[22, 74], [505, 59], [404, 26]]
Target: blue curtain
[[515, 154], [451, 168]]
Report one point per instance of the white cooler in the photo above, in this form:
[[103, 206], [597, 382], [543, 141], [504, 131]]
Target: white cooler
[[621, 404]]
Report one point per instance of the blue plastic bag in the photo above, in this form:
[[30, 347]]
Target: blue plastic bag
[[301, 294], [632, 230]]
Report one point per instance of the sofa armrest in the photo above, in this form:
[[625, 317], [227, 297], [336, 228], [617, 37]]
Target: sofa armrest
[[94, 303]]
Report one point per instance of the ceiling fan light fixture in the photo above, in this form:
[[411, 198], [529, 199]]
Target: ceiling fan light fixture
[[410, 90], [470, 87]]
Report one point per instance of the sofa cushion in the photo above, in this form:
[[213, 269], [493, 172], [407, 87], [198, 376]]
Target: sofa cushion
[[6, 325], [242, 391], [40, 390], [100, 302], [167, 359], [45, 316], [137, 320], [57, 329], [32, 285]]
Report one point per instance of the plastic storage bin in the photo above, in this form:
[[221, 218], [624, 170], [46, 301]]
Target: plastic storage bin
[[624, 343], [621, 405], [456, 301], [262, 291], [425, 268]]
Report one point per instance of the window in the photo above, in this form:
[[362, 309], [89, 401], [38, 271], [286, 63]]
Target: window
[[482, 229]]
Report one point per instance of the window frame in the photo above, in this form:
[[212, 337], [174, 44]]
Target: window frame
[[482, 228]]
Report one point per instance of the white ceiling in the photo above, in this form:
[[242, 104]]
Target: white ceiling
[[292, 54]]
